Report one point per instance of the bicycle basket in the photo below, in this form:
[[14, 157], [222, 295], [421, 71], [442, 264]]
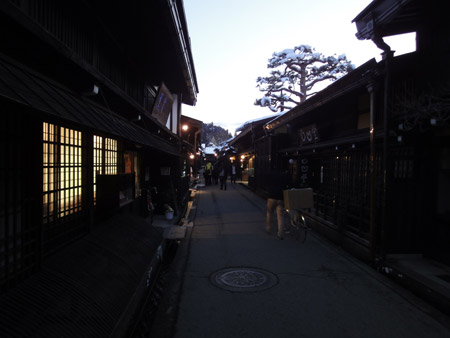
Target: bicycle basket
[[296, 199]]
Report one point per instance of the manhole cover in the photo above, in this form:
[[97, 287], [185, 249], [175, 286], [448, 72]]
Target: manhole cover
[[243, 279]]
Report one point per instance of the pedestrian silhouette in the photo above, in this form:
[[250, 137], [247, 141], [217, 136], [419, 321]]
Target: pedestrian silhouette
[[278, 181]]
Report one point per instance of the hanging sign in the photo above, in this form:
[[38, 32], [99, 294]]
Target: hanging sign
[[165, 171], [163, 104], [309, 134], [304, 171]]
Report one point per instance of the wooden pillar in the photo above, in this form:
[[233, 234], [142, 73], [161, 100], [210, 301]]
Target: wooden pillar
[[372, 187]]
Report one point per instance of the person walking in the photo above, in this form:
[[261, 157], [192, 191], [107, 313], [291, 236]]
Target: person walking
[[223, 175], [208, 173], [215, 173], [233, 172], [278, 181]]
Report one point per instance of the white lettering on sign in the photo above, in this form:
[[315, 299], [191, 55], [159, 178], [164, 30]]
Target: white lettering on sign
[[309, 134], [304, 168]]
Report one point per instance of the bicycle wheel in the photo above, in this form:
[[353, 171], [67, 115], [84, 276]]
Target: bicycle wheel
[[298, 224], [287, 227]]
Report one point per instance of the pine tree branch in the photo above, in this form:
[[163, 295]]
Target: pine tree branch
[[300, 66]]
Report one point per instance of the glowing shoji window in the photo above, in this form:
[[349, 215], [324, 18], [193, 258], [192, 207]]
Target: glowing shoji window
[[62, 172], [98, 161], [110, 156], [105, 158]]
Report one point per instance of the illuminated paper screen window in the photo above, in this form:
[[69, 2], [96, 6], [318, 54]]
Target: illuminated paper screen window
[[62, 171], [98, 161], [105, 158], [110, 156]]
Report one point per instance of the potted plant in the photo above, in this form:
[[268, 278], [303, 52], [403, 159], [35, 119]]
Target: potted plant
[[168, 212]]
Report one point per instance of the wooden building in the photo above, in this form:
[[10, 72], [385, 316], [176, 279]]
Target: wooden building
[[251, 153], [191, 134], [91, 94], [416, 132], [374, 144]]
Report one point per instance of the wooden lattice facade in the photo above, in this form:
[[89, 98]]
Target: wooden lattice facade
[[77, 85]]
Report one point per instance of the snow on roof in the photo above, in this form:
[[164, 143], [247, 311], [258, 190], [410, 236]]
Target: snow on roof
[[209, 150], [258, 119]]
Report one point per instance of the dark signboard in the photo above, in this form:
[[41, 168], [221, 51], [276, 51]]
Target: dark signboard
[[309, 134], [163, 104], [304, 172]]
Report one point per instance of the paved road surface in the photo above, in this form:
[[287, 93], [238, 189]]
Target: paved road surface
[[319, 290]]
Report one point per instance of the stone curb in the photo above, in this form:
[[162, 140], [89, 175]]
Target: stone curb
[[166, 316]]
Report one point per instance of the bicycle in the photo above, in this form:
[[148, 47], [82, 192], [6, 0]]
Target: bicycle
[[295, 224], [295, 200]]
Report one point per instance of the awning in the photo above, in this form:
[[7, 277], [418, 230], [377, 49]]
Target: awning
[[352, 139], [28, 88]]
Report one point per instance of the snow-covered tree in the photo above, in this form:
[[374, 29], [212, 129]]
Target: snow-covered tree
[[295, 72]]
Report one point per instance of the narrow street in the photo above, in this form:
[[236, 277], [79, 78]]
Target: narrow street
[[240, 282]]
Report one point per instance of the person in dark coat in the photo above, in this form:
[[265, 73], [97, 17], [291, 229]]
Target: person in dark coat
[[233, 172], [223, 175], [278, 181], [215, 173]]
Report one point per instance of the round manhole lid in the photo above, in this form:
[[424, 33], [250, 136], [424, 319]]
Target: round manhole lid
[[243, 279]]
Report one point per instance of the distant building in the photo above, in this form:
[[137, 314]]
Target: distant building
[[191, 135], [252, 167]]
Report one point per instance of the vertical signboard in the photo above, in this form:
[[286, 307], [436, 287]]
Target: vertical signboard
[[162, 106], [304, 172]]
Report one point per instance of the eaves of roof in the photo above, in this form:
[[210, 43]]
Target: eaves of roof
[[240, 136], [248, 126], [386, 17], [30, 89], [352, 139], [184, 52]]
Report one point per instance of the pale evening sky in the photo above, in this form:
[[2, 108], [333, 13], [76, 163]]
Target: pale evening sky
[[232, 41]]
